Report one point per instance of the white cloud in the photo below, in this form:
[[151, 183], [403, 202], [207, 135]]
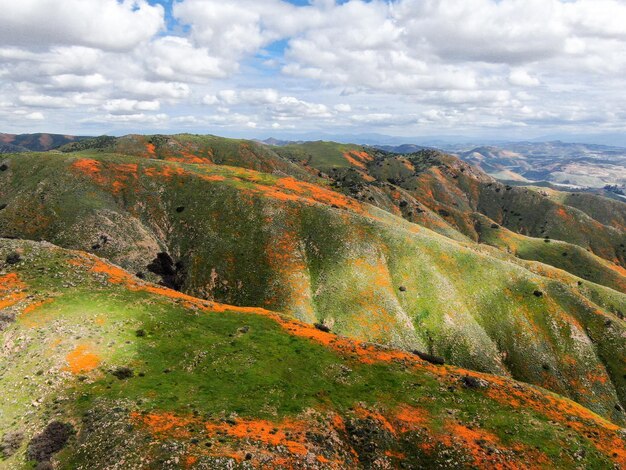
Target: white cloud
[[342, 108], [45, 101], [125, 106], [36, 116], [173, 57], [140, 118], [106, 24], [270, 102], [71, 82], [148, 89]]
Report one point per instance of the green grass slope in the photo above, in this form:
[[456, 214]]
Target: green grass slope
[[562, 255], [102, 370], [324, 155], [253, 239]]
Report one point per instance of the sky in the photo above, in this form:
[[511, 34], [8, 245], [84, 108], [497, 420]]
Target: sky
[[490, 69]]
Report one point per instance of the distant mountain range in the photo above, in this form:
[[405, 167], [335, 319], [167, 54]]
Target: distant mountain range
[[15, 143], [560, 163]]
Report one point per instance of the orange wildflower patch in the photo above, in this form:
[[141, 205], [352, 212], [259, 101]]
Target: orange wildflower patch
[[410, 418], [358, 159], [287, 433], [285, 255], [186, 157], [115, 177], [212, 177], [165, 171], [81, 359], [408, 165], [90, 168], [291, 189], [284, 433], [190, 461], [11, 290], [375, 416], [165, 424], [10, 282]]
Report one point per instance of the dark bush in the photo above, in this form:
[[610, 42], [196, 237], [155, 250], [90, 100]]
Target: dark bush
[[13, 258], [11, 441], [51, 440], [123, 373], [322, 327], [430, 358]]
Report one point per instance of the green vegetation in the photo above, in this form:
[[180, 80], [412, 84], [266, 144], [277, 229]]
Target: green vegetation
[[252, 239], [194, 370], [417, 252]]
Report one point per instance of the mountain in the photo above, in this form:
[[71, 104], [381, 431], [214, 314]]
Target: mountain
[[404, 148], [108, 370], [418, 252], [574, 165], [12, 143], [583, 165]]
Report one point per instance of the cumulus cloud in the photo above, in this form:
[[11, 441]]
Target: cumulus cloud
[[125, 106], [106, 24], [271, 103], [362, 65]]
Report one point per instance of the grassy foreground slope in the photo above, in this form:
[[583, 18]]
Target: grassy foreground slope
[[102, 370], [252, 239]]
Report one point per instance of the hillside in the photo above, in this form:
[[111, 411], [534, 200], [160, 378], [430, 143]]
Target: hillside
[[445, 194], [429, 188], [252, 239], [188, 148], [104, 370]]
